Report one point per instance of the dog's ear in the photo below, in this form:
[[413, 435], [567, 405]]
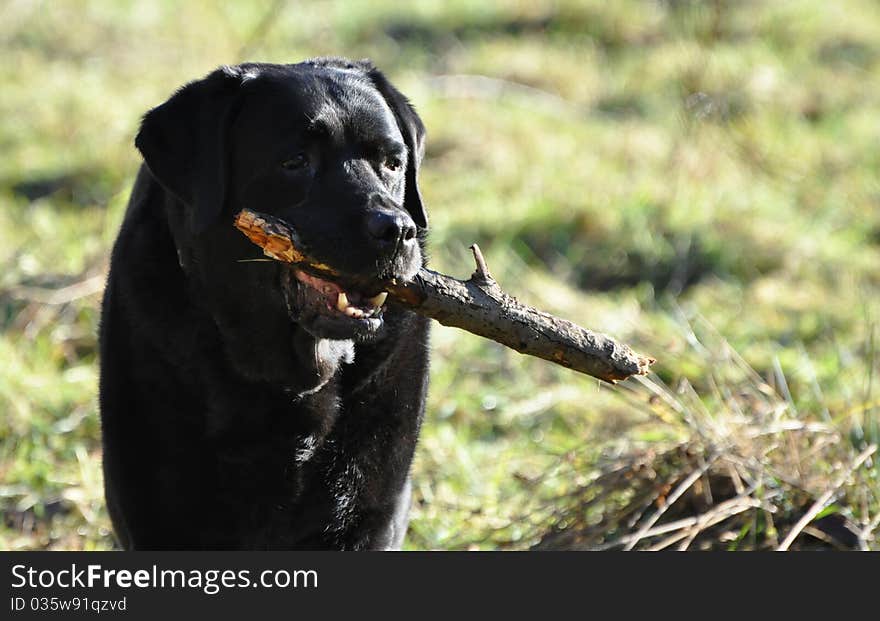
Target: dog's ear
[[184, 143], [413, 131]]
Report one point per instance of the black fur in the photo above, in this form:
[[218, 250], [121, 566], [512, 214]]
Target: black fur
[[234, 415]]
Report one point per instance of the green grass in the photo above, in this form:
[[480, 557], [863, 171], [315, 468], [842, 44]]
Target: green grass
[[698, 179]]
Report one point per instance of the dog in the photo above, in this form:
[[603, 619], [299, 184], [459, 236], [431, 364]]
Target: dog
[[246, 404]]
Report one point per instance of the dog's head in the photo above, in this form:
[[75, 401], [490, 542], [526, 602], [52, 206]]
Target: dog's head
[[329, 146]]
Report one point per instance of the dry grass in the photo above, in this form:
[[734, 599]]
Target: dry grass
[[746, 471]]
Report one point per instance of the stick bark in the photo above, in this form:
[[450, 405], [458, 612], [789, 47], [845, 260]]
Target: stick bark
[[477, 305]]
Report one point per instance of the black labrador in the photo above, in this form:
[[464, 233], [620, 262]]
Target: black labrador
[[246, 404]]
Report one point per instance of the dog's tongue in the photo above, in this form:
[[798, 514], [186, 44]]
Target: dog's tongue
[[319, 284], [351, 303]]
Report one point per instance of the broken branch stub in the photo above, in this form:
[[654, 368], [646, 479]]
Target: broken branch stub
[[477, 305]]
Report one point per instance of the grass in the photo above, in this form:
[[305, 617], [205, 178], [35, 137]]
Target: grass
[[695, 178]]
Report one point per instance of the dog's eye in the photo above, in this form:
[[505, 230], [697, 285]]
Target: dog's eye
[[393, 163], [297, 162]]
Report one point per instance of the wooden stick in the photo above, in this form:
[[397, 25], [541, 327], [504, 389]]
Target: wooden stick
[[477, 305]]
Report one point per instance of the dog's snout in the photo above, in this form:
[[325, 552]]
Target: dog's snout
[[390, 227]]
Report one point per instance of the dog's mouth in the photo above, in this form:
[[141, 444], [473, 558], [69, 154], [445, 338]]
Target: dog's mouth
[[337, 309]]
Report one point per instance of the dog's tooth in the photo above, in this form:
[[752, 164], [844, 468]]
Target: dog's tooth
[[351, 311], [379, 299], [342, 302]]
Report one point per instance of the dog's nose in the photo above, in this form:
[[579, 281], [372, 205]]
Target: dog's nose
[[390, 227]]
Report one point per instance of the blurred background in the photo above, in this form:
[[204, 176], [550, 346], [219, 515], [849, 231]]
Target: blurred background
[[696, 178]]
